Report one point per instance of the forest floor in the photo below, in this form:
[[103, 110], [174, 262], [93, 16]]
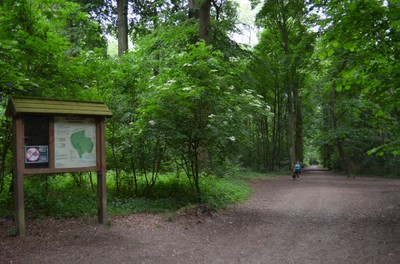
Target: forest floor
[[322, 218]]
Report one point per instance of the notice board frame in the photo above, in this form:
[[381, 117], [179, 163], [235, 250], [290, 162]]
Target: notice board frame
[[20, 108]]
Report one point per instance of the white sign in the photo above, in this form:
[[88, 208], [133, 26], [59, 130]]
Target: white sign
[[74, 142]]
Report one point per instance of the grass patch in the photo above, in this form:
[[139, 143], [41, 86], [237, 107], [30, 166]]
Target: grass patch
[[245, 174], [59, 197], [220, 192]]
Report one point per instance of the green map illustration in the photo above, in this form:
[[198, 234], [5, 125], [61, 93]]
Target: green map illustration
[[83, 145], [74, 142]]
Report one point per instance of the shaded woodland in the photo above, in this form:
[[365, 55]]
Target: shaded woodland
[[322, 85]]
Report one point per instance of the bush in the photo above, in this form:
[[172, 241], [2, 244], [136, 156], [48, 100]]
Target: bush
[[59, 197]]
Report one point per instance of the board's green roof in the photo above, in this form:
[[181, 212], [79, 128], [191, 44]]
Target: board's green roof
[[22, 105]]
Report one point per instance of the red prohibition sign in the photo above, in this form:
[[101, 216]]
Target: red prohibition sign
[[32, 154]]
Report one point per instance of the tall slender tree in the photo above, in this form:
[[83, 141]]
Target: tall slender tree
[[122, 6], [287, 22]]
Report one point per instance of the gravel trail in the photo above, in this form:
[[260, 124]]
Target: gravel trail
[[322, 218]]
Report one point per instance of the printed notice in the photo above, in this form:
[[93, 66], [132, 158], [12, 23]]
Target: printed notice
[[74, 142], [36, 154]]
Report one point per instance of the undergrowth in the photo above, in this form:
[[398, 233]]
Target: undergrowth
[[58, 196]]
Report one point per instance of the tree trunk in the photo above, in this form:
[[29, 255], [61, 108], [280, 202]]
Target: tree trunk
[[204, 21], [291, 123], [122, 6], [202, 13], [265, 148], [193, 12], [299, 125], [289, 89], [348, 163], [277, 124], [217, 9]]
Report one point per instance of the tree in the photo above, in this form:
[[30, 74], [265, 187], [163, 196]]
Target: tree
[[193, 104], [46, 49], [363, 46], [122, 6], [287, 23]]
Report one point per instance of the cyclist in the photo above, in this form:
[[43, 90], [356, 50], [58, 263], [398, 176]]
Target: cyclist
[[297, 170]]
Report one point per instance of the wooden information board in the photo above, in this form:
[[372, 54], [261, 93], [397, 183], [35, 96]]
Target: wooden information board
[[57, 136]]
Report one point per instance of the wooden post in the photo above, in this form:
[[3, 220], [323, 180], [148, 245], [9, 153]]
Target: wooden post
[[18, 179], [101, 173]]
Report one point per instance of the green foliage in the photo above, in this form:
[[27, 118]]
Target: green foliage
[[245, 174], [185, 101], [43, 48], [6, 199], [360, 53], [5, 148], [185, 108], [218, 193], [282, 73], [59, 197], [370, 50]]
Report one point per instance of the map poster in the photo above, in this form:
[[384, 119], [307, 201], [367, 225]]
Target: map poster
[[74, 142]]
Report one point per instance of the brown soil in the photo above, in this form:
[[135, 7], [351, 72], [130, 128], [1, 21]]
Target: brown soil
[[323, 218]]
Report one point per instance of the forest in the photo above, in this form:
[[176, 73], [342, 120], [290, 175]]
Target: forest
[[192, 105]]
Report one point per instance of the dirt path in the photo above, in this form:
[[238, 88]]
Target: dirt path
[[323, 218]]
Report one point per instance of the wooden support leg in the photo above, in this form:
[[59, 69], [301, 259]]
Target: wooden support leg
[[19, 204], [18, 179], [102, 197]]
